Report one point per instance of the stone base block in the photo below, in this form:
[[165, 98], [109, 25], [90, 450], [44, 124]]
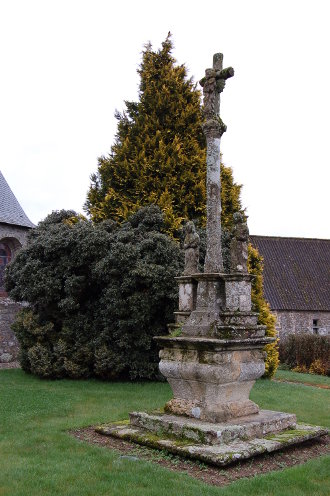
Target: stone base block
[[212, 413], [248, 427], [216, 444]]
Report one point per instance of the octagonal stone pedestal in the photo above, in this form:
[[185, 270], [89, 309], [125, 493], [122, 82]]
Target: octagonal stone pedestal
[[211, 378]]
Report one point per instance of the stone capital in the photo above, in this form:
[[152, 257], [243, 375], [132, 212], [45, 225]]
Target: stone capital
[[214, 128]]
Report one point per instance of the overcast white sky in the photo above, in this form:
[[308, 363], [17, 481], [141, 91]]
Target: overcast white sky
[[67, 65]]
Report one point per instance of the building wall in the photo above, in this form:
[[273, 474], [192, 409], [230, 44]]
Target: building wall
[[18, 233], [8, 343], [15, 237], [289, 322]]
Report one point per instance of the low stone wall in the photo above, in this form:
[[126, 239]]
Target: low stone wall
[[8, 343], [294, 322]]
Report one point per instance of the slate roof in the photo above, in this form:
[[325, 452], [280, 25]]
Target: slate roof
[[296, 272], [11, 211]]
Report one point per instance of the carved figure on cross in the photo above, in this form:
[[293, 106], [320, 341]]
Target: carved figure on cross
[[213, 84]]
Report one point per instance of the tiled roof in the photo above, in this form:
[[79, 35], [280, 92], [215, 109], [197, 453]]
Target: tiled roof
[[296, 272], [11, 211]]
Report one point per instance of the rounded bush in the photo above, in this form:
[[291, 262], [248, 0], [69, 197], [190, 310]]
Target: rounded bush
[[97, 294]]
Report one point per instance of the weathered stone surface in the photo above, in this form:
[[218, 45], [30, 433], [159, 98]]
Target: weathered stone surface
[[197, 344], [186, 297], [12, 238], [211, 291], [238, 318], [238, 295], [237, 331], [15, 235], [213, 258], [219, 296], [213, 366], [9, 347], [259, 425], [228, 319], [213, 84], [187, 293], [6, 358], [295, 322], [211, 378], [181, 317], [216, 454], [239, 244]]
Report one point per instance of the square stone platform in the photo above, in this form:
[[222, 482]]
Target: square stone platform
[[215, 443]]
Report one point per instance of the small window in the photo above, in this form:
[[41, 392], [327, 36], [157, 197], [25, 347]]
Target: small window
[[315, 326]]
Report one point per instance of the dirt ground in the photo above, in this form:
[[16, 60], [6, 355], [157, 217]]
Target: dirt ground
[[211, 475]]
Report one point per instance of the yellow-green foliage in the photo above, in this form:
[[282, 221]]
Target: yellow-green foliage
[[159, 152], [230, 197], [74, 219], [260, 305]]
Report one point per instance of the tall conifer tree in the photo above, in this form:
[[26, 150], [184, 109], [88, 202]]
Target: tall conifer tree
[[159, 157], [159, 152]]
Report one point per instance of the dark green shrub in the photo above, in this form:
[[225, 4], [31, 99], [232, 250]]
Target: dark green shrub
[[306, 353], [97, 295]]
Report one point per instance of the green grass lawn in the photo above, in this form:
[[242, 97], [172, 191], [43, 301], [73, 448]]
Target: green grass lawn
[[287, 375], [38, 457]]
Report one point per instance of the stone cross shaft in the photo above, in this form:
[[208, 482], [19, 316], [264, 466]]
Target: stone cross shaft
[[213, 84]]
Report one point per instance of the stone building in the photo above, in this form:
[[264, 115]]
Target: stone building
[[297, 282], [14, 227]]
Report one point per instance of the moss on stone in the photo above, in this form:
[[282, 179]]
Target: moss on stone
[[157, 411], [154, 440], [176, 332], [201, 436], [287, 436], [121, 422]]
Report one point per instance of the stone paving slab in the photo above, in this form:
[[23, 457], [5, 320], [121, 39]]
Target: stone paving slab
[[219, 455]]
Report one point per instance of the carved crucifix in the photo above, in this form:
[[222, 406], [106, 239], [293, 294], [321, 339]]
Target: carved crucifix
[[213, 84]]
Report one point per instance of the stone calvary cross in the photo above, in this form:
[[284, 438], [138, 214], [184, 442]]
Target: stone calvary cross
[[214, 351], [213, 84]]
